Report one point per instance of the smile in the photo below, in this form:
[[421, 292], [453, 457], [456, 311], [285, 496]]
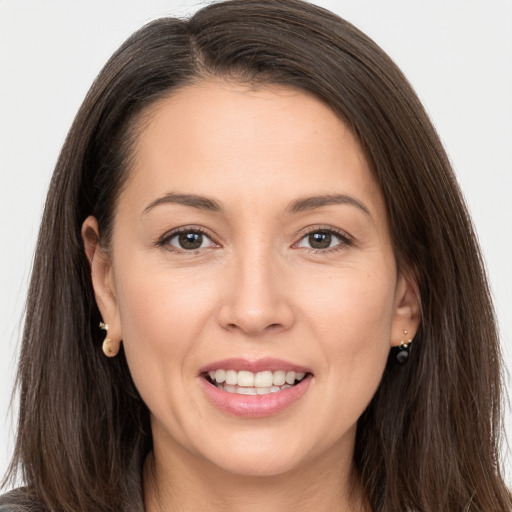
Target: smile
[[254, 389], [245, 382]]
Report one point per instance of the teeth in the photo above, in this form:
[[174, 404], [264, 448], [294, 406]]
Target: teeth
[[262, 382], [252, 390], [231, 377], [246, 391], [279, 378], [290, 378], [220, 376], [246, 379], [263, 379]]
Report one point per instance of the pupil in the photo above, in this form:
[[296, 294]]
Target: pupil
[[190, 240], [320, 240]]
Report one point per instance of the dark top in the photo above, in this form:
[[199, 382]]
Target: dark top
[[19, 501]]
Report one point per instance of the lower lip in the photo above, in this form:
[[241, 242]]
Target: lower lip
[[255, 406]]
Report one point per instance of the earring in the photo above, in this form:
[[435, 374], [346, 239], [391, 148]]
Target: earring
[[403, 354], [108, 347]]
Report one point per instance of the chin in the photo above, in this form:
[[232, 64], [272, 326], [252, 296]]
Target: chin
[[260, 466], [267, 455]]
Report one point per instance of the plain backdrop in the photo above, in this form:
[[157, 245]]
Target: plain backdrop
[[456, 53]]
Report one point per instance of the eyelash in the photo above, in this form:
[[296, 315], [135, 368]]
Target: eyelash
[[345, 239], [164, 241]]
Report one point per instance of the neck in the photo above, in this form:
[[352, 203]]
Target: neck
[[173, 483]]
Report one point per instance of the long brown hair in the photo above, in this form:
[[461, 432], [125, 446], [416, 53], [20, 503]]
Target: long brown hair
[[429, 440]]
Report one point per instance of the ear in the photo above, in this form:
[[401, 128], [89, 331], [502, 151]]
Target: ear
[[407, 314], [102, 276]]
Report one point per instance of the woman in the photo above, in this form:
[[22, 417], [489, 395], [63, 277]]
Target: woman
[[256, 285]]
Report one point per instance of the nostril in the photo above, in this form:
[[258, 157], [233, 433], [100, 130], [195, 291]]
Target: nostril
[[253, 330], [255, 315]]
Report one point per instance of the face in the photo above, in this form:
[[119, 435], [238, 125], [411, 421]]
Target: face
[[251, 278]]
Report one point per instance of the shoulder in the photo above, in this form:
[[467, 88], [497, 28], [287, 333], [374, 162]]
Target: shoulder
[[19, 500]]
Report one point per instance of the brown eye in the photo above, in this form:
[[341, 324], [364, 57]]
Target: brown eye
[[189, 240], [323, 239], [320, 240]]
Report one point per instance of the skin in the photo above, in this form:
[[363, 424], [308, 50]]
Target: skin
[[254, 288]]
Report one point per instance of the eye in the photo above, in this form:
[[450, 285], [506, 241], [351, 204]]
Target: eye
[[189, 240], [322, 239]]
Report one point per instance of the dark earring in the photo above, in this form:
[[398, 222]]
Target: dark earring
[[403, 354]]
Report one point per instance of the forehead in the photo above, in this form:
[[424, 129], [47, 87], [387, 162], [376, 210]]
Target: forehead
[[242, 142]]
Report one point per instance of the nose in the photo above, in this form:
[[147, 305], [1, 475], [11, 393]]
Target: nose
[[256, 298]]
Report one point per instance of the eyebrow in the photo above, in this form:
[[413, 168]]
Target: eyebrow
[[199, 202], [297, 206], [311, 203]]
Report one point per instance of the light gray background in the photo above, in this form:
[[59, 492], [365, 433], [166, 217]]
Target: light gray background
[[456, 53]]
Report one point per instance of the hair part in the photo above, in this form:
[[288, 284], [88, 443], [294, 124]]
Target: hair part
[[429, 440]]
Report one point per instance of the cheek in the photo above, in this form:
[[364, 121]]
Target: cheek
[[353, 305], [352, 320], [161, 301], [162, 317]]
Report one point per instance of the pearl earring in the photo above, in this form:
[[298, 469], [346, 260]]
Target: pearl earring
[[110, 349]]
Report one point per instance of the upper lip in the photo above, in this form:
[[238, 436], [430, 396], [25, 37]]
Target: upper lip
[[254, 365]]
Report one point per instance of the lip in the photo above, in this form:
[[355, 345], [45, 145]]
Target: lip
[[254, 406], [254, 365]]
